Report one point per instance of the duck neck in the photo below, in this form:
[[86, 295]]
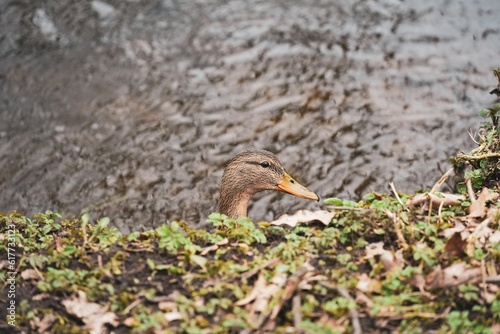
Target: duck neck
[[234, 204]]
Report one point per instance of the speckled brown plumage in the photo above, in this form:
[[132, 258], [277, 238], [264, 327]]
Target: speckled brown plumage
[[250, 172]]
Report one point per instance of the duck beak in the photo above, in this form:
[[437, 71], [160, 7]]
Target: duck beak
[[289, 185]]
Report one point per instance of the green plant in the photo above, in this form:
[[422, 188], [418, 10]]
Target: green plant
[[172, 238], [241, 229]]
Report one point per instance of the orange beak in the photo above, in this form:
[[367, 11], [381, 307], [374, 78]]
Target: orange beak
[[289, 185]]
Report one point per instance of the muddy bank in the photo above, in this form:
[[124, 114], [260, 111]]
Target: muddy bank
[[131, 109]]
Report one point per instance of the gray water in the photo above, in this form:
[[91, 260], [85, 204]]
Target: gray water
[[130, 109]]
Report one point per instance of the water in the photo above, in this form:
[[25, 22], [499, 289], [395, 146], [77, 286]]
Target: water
[[131, 109]]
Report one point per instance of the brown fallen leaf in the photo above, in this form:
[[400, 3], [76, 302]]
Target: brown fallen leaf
[[455, 246], [93, 315], [173, 316], [29, 274], [458, 228], [479, 237], [130, 321], [214, 247], [262, 292], [367, 284], [305, 216], [44, 325], [257, 301], [389, 260], [40, 296], [301, 275], [167, 306], [493, 213], [478, 208], [495, 237], [453, 275]]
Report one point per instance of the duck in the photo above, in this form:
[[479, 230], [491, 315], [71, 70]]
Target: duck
[[253, 171]]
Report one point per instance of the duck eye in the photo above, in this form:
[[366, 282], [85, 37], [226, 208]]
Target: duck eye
[[264, 164]]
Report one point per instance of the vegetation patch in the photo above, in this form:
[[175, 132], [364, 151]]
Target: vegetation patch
[[380, 265]]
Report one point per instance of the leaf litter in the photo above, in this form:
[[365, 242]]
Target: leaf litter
[[384, 267]]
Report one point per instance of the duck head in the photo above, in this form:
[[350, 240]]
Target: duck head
[[250, 172]]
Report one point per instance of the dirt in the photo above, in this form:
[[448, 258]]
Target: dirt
[[130, 109]]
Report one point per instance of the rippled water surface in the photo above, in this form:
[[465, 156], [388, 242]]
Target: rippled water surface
[[132, 108]]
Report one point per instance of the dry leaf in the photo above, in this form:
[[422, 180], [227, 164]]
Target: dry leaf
[[130, 321], [214, 247], [167, 306], [301, 275], [306, 284], [262, 300], [172, 316], [30, 274], [41, 296], [478, 208], [43, 326], [458, 228], [93, 315], [495, 237], [374, 249], [493, 213], [260, 284], [418, 280], [389, 260], [367, 284], [453, 275], [305, 216], [262, 293], [455, 246], [478, 238]]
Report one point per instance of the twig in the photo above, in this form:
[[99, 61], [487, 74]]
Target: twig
[[356, 325], [393, 188], [471, 239], [132, 305], [137, 250], [480, 148], [483, 274], [409, 314], [38, 273], [439, 211], [477, 157], [259, 268], [336, 207], [297, 316], [470, 190], [430, 210], [290, 288], [397, 229], [472, 137], [493, 279], [441, 181]]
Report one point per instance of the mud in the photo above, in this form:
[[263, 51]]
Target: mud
[[130, 109]]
